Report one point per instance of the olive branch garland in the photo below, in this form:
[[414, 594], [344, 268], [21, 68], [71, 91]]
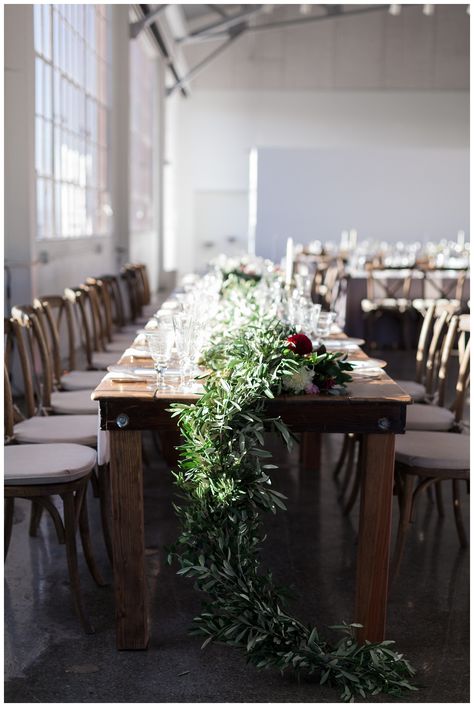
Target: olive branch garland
[[224, 476]]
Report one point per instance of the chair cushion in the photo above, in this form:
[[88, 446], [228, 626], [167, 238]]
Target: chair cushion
[[102, 359], [416, 390], [433, 450], [74, 402], [81, 380], [429, 417], [27, 464], [77, 429]]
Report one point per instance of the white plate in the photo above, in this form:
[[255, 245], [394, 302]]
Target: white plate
[[342, 343], [367, 374], [132, 373], [367, 363]]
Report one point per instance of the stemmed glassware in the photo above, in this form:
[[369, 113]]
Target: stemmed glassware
[[325, 322], [160, 343], [185, 330]]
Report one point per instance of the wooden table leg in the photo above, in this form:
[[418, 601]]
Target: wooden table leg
[[128, 539], [375, 522], [310, 450]]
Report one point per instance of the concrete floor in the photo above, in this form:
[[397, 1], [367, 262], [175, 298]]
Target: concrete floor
[[311, 547]]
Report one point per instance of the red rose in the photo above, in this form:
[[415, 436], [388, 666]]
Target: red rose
[[300, 344]]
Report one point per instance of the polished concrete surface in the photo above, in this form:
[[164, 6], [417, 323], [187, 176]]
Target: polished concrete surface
[[311, 547]]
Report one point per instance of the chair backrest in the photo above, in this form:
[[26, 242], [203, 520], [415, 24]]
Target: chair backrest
[[15, 341], [434, 350], [440, 284], [58, 313], [111, 283], [446, 352], [130, 276], [145, 283], [388, 284], [462, 382], [8, 416], [422, 346], [101, 310], [464, 332], [80, 304], [33, 329]]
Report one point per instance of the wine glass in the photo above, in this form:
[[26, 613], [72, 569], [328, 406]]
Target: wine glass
[[160, 343], [325, 322], [185, 332]]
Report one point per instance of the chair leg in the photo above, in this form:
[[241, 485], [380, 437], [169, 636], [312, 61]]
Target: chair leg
[[403, 524], [355, 485], [35, 518], [104, 498], [8, 524], [342, 457], [43, 502], [439, 499], [349, 465], [70, 526], [87, 544], [458, 514], [95, 485]]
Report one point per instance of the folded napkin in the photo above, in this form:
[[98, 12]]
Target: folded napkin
[[137, 353]]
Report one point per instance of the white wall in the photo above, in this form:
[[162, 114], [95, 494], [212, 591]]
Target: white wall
[[407, 194], [218, 128]]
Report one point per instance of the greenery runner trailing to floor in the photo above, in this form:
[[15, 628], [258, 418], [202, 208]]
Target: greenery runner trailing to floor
[[224, 475]]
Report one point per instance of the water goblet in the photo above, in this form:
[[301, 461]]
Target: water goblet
[[325, 322], [185, 333], [160, 343]]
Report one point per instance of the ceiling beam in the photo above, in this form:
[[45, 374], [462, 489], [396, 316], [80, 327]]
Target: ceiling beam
[[235, 33], [297, 21], [218, 10], [162, 47], [223, 24], [139, 25]]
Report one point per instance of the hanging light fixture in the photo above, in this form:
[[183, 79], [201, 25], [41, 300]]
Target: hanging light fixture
[[428, 10], [395, 10]]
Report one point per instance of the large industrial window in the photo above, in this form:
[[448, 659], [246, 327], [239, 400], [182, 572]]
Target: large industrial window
[[72, 90], [143, 134]]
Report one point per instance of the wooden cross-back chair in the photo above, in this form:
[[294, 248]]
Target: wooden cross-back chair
[[76, 422], [37, 472], [388, 293], [53, 400], [432, 457], [437, 286], [67, 314], [114, 294], [130, 276], [433, 373]]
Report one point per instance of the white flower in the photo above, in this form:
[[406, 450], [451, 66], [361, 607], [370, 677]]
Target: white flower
[[299, 380]]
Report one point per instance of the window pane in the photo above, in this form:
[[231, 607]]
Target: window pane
[[47, 31], [48, 148], [72, 108], [38, 21], [143, 96], [39, 146], [40, 207]]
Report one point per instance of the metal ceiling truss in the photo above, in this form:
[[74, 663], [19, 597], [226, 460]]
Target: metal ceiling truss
[[229, 28]]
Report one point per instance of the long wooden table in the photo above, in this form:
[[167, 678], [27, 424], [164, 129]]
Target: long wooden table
[[374, 408]]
